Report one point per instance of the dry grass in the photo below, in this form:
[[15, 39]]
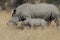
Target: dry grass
[[6, 33]]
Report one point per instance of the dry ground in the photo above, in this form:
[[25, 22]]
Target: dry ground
[[6, 33]]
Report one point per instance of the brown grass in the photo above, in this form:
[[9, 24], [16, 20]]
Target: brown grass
[[6, 33]]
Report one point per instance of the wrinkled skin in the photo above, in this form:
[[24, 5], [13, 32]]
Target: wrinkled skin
[[45, 11]]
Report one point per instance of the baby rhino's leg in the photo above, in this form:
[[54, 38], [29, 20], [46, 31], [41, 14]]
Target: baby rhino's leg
[[44, 24]]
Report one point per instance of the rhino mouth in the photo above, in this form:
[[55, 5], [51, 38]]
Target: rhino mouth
[[11, 23]]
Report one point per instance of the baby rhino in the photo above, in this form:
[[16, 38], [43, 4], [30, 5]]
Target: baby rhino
[[35, 22]]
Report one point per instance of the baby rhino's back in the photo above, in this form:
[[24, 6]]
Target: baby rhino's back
[[37, 22]]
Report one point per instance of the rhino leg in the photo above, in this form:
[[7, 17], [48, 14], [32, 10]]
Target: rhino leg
[[57, 21], [48, 20]]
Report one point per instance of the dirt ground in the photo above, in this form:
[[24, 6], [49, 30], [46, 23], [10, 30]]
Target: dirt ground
[[6, 33]]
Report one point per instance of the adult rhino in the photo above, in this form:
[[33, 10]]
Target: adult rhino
[[45, 11]]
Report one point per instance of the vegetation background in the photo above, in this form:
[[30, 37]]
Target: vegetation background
[[11, 33]]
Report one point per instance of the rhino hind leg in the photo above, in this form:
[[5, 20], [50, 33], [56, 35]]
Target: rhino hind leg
[[48, 20], [57, 21]]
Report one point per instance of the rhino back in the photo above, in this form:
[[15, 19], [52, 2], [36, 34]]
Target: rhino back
[[41, 10]]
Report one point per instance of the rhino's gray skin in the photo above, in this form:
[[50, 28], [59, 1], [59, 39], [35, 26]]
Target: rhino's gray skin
[[35, 22], [14, 21], [45, 11]]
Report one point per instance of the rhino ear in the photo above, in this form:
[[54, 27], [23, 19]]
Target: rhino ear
[[14, 12]]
